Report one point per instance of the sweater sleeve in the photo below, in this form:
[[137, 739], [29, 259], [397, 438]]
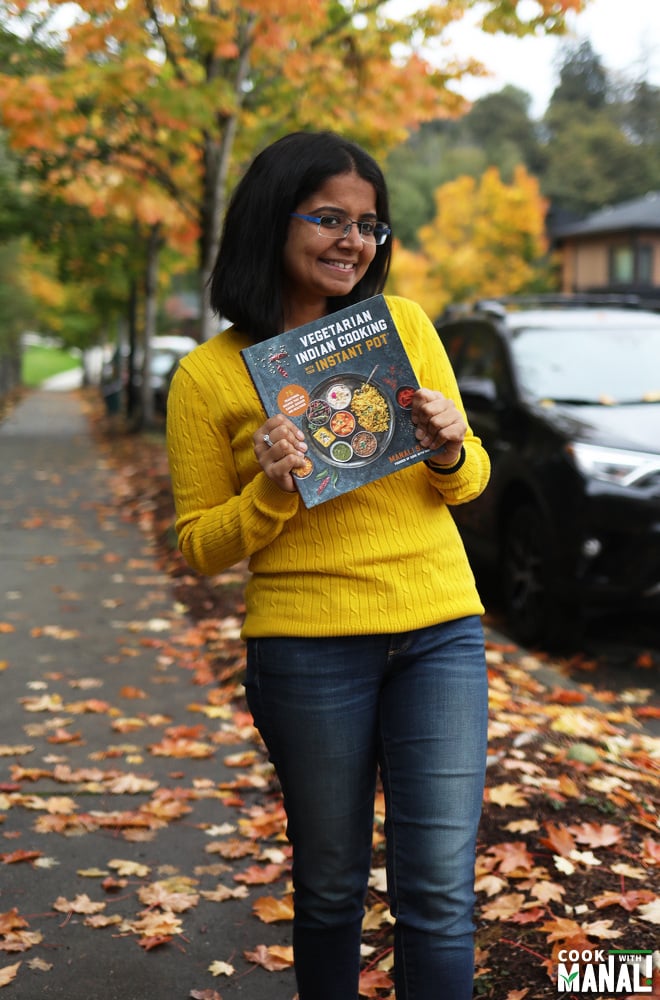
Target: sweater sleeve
[[219, 521], [434, 371]]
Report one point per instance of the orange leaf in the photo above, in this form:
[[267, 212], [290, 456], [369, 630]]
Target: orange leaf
[[16, 856], [628, 900], [273, 959], [558, 840], [154, 942], [269, 909], [260, 875], [373, 980], [512, 857]]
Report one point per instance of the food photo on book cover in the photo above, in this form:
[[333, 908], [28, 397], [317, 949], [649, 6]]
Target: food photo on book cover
[[347, 382]]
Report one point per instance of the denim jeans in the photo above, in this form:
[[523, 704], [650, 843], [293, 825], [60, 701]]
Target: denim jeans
[[334, 711]]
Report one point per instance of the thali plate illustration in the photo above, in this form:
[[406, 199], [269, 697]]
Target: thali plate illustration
[[350, 421]]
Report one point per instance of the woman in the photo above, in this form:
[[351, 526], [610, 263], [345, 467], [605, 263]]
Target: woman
[[365, 646]]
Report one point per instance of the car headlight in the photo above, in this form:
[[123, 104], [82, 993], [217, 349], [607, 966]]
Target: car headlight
[[614, 465]]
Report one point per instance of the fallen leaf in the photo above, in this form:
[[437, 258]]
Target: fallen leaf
[[274, 959], [221, 969], [649, 911], [269, 909], [8, 973], [629, 900], [504, 907], [506, 795], [373, 980], [80, 904]]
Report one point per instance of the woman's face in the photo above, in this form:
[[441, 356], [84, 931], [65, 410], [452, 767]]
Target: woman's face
[[317, 268]]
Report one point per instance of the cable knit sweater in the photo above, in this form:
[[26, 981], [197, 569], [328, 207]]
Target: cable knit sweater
[[384, 558]]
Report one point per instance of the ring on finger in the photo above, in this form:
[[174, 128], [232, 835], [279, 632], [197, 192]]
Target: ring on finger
[[268, 441]]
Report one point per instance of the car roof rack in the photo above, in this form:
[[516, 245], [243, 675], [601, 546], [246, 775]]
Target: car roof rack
[[558, 299]]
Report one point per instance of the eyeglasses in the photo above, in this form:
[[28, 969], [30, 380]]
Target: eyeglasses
[[338, 226]]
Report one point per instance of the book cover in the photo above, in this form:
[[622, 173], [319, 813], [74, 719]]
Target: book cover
[[347, 382]]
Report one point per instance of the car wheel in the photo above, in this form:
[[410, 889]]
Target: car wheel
[[524, 574]]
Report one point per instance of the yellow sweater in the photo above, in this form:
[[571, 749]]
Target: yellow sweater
[[384, 558]]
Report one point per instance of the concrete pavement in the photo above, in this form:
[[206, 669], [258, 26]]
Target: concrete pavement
[[97, 672]]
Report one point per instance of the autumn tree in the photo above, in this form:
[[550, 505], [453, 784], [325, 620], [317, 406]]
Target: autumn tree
[[160, 104], [487, 239]]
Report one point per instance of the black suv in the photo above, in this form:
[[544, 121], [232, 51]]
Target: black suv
[[566, 399]]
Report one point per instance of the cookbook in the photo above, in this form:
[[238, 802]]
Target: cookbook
[[346, 381]]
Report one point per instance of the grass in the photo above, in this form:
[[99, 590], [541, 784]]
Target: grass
[[40, 362]]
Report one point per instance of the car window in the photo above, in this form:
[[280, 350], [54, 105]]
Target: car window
[[599, 365], [478, 354]]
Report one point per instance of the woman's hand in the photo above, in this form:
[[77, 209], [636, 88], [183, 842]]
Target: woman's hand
[[439, 426], [280, 448]]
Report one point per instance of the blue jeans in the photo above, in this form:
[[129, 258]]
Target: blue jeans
[[334, 711]]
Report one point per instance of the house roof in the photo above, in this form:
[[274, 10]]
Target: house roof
[[639, 213]]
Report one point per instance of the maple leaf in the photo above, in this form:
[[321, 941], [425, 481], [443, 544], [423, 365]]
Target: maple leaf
[[629, 900], [8, 973], [490, 884], [260, 874], [81, 904], [221, 969], [506, 795], [18, 750], [274, 959], [559, 839], [154, 924], [223, 892], [168, 895], [601, 929], [596, 835], [561, 929], [204, 995], [235, 848], [182, 748], [516, 994], [373, 980], [17, 856], [149, 943], [269, 909], [504, 907], [39, 965], [129, 868], [547, 891], [650, 911], [11, 921], [102, 920], [512, 857], [16, 941], [529, 916]]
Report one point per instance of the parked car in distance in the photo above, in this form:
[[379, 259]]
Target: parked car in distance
[[566, 399], [165, 352]]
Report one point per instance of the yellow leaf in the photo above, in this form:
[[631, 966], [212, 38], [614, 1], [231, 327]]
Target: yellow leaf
[[269, 909], [506, 795], [221, 969]]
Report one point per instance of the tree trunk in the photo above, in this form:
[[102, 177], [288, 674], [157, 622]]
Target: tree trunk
[[154, 244], [217, 158]]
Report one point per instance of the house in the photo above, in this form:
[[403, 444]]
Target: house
[[614, 250]]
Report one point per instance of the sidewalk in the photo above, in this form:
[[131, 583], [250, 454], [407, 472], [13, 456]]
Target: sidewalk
[[113, 779]]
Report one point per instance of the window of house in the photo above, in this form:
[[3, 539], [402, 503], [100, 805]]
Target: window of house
[[631, 265]]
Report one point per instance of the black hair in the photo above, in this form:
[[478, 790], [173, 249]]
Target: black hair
[[246, 282]]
